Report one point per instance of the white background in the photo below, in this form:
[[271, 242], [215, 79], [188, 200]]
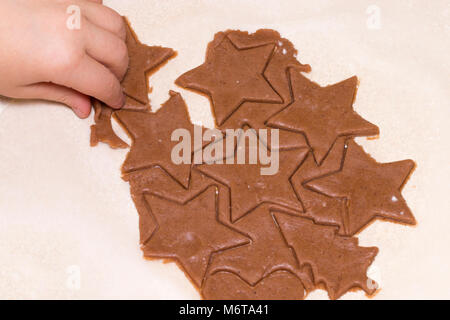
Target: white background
[[65, 214]]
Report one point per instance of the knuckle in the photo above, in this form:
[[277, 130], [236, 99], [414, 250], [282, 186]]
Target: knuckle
[[118, 24], [121, 51], [122, 30], [63, 54], [70, 49], [113, 90], [122, 56], [67, 60]]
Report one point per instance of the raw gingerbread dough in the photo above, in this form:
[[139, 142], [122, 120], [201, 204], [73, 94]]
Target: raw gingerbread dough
[[231, 77], [144, 60], [249, 188], [337, 262], [280, 285], [370, 189], [255, 114], [322, 114], [189, 232], [151, 135], [238, 234]]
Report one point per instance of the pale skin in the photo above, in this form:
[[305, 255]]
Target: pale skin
[[41, 58]]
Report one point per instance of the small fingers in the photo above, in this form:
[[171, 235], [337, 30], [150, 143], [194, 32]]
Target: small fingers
[[104, 17], [78, 102], [108, 49], [93, 79]]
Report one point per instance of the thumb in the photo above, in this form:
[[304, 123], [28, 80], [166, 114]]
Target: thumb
[[78, 102]]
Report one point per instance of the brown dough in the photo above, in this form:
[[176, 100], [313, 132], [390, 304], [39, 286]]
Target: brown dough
[[229, 87], [156, 181], [251, 261], [280, 285], [256, 114], [151, 135], [189, 233], [322, 208], [102, 130], [337, 262], [322, 113], [249, 188], [144, 60], [371, 189], [238, 234]]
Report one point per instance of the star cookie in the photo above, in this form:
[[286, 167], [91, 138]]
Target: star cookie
[[371, 189], [151, 134], [322, 114], [337, 262], [252, 261], [249, 187], [189, 233], [231, 77]]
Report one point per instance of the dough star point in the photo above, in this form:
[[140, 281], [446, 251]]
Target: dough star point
[[151, 136], [249, 188], [322, 114], [336, 261], [143, 60], [250, 261], [231, 77], [190, 232], [372, 189], [279, 285]]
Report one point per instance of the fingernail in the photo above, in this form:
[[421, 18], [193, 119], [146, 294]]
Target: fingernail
[[80, 113], [122, 101]]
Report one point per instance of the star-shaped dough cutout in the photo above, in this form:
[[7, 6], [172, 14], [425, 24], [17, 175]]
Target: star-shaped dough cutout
[[321, 208], [151, 136], [279, 285], [284, 57], [322, 113], [371, 189], [189, 233], [254, 115], [249, 188], [156, 181], [336, 261], [251, 261], [143, 60], [231, 77]]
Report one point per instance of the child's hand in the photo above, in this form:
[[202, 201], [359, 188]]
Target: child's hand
[[41, 57]]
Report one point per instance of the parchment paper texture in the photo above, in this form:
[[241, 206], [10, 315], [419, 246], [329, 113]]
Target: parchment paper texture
[[68, 227]]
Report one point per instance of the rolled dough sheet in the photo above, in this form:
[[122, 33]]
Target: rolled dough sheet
[[68, 227]]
